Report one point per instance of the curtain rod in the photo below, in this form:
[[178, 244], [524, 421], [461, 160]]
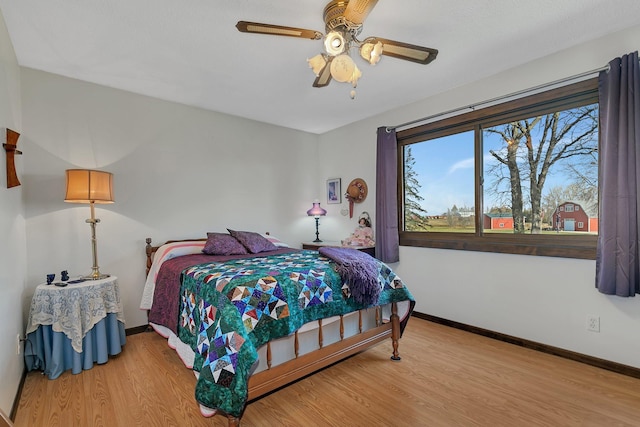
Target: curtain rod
[[499, 98]]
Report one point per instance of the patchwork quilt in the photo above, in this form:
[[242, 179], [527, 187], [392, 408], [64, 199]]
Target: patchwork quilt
[[229, 309]]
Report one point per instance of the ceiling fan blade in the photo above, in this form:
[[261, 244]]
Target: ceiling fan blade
[[409, 52], [277, 30], [358, 10], [324, 77]]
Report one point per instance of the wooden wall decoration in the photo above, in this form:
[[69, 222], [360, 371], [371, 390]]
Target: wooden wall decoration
[[11, 148]]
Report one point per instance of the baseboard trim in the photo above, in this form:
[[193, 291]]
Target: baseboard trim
[[16, 400], [556, 351], [136, 330]]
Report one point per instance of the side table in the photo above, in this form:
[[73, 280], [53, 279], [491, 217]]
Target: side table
[[74, 326], [371, 250]]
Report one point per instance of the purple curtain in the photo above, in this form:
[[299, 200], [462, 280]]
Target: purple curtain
[[617, 262], [387, 239]]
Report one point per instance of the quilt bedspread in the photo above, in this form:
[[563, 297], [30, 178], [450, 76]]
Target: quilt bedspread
[[228, 310]]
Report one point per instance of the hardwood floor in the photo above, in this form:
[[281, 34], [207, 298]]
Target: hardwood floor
[[447, 377]]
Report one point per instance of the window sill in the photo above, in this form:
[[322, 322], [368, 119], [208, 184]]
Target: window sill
[[582, 247]]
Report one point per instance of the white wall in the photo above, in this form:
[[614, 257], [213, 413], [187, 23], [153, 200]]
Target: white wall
[[12, 229], [178, 173], [546, 300]]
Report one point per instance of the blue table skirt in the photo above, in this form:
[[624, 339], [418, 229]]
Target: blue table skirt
[[52, 353]]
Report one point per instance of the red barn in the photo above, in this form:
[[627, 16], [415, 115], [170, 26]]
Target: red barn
[[497, 221], [571, 216]]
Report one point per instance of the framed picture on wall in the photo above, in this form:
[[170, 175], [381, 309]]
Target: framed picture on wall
[[334, 191]]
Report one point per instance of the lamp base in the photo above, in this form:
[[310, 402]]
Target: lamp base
[[317, 232], [98, 276]]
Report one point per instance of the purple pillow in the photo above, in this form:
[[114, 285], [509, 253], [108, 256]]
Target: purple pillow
[[254, 242], [222, 244]]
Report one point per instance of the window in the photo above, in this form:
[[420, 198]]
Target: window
[[501, 178], [439, 189]]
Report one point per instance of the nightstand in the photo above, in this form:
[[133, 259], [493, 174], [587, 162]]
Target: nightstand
[[74, 326], [371, 250]]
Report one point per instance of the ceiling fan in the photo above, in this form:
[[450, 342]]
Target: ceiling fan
[[343, 24]]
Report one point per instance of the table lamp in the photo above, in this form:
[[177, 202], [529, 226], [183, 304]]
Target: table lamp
[[316, 211], [90, 186]]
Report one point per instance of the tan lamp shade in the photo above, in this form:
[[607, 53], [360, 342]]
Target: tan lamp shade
[[86, 186]]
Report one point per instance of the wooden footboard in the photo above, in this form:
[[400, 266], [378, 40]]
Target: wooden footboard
[[274, 377], [288, 372]]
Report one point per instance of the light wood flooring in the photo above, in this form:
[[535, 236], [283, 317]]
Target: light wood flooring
[[447, 377]]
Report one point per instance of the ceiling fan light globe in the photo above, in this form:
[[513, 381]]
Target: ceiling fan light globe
[[355, 76], [334, 43], [376, 53], [317, 63], [371, 52], [343, 68]]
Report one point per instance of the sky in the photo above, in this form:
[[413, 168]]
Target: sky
[[446, 175]]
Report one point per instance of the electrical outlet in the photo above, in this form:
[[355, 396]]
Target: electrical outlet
[[593, 323], [18, 344]]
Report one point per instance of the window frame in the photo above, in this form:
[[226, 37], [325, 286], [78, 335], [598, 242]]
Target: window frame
[[558, 99]]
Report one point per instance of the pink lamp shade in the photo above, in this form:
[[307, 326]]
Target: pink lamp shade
[[316, 210]]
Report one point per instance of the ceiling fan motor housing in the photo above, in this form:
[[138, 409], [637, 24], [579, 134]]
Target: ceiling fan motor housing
[[334, 18]]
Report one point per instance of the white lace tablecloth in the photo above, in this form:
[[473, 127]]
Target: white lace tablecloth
[[76, 308]]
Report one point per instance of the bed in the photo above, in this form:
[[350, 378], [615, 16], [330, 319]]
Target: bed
[[249, 323]]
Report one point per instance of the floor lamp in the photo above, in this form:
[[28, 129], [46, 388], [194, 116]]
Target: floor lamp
[[316, 211], [90, 186]]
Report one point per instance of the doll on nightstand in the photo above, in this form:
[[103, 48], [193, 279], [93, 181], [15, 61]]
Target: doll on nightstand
[[363, 234]]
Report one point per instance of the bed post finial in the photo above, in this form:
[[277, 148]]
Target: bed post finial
[[395, 331], [149, 250]]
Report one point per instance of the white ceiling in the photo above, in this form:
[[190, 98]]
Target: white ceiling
[[190, 51]]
